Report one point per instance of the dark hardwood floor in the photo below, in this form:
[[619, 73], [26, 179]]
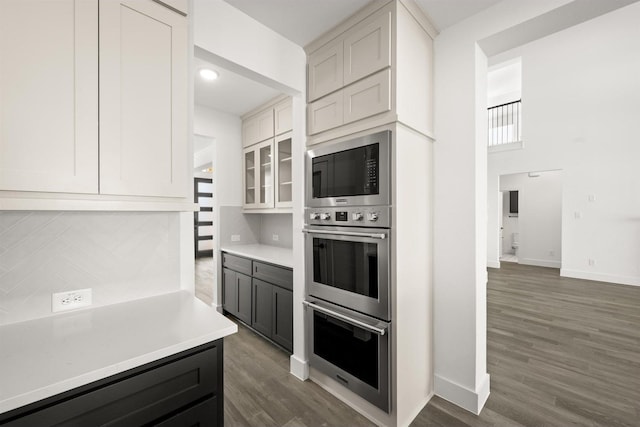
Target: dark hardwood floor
[[561, 352], [259, 391]]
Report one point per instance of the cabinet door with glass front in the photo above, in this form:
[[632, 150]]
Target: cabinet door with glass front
[[282, 148], [258, 175]]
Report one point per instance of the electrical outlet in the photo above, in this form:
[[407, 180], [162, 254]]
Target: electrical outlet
[[552, 253], [592, 262], [577, 215], [275, 237], [235, 237], [71, 300]]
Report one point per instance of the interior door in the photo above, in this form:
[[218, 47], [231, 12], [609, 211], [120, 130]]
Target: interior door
[[203, 219]]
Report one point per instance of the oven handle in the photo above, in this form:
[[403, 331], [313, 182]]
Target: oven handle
[[380, 236], [363, 325]]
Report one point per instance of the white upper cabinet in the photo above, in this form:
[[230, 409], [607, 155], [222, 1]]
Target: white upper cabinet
[[143, 99], [325, 67], [266, 161], [258, 173], [49, 95], [360, 51], [257, 128], [367, 97], [349, 76], [386, 73], [283, 117], [367, 47], [325, 113]]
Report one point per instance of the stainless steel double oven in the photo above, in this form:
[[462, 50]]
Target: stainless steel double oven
[[347, 254]]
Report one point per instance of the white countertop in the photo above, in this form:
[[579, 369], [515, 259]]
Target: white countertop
[[43, 357], [271, 254]]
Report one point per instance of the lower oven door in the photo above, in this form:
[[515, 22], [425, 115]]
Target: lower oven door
[[351, 348], [349, 266]]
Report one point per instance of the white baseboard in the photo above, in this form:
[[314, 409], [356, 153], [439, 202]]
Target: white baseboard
[[493, 264], [600, 277], [299, 368], [471, 400], [540, 262]]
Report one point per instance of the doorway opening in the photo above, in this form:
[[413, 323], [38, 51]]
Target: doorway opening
[[531, 218]]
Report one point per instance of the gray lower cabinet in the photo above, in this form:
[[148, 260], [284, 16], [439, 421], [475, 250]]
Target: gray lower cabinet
[[268, 297], [261, 318], [185, 389], [282, 322], [237, 294]]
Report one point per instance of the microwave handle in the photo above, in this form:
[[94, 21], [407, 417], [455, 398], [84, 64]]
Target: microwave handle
[[363, 325], [380, 236]]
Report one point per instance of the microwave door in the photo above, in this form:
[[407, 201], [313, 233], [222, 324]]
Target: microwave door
[[321, 177]]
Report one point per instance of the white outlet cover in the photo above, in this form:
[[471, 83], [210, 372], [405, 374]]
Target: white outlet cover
[[235, 237], [70, 300], [276, 237]]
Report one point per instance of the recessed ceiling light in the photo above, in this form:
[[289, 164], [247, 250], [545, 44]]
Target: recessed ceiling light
[[209, 74]]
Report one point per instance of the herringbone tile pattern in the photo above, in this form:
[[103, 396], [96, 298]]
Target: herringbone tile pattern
[[120, 255]]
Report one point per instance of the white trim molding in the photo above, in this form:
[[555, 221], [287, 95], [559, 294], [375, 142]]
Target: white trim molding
[[471, 400], [600, 277], [540, 262], [493, 264], [299, 368]]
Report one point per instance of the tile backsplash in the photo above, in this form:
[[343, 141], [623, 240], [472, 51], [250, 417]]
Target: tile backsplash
[[251, 228], [120, 255], [280, 225]]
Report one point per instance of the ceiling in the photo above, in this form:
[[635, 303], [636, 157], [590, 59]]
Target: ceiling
[[231, 92], [302, 21]]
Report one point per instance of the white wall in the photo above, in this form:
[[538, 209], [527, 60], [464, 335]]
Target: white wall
[[460, 196], [244, 42], [581, 104], [227, 131], [539, 220]]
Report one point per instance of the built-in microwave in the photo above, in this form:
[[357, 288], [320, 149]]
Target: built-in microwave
[[350, 173]]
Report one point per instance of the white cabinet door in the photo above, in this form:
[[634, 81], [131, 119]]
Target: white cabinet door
[[283, 117], [143, 99], [258, 176], [249, 178], [49, 95], [325, 113], [264, 156], [283, 171], [367, 47], [257, 128], [325, 70], [368, 97]]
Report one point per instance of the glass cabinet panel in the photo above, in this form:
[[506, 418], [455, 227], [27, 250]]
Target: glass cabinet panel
[[266, 175], [283, 148], [249, 178]]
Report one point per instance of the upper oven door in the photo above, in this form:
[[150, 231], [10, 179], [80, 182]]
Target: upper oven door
[[349, 267], [354, 172]]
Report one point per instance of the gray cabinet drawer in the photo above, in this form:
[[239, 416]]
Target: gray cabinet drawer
[[243, 265], [169, 389], [282, 277]]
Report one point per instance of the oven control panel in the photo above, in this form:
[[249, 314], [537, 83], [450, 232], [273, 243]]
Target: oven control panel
[[352, 216]]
